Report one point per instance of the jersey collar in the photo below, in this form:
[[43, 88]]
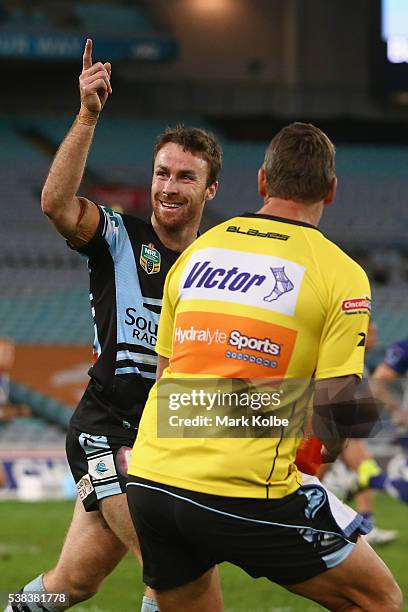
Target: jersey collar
[[281, 219]]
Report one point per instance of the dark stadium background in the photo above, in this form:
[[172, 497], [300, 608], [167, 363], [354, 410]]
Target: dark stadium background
[[242, 68]]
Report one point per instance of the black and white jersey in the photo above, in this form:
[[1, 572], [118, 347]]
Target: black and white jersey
[[127, 265]]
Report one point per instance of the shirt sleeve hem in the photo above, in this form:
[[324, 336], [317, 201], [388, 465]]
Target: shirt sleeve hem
[[162, 351], [337, 373]]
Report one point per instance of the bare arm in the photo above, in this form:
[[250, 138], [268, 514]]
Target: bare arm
[[162, 364], [74, 217], [381, 384], [384, 372]]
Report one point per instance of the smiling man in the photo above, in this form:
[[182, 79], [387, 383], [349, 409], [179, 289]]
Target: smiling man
[[178, 197], [128, 260]]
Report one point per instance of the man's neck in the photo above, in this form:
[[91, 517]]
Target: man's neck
[[177, 240], [289, 209]]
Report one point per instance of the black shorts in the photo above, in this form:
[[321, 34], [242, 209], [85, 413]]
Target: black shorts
[[183, 533], [98, 464]]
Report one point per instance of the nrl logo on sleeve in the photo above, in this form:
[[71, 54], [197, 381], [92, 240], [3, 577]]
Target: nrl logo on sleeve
[[150, 259], [361, 305]]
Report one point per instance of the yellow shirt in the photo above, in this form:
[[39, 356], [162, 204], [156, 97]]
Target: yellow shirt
[[256, 297]]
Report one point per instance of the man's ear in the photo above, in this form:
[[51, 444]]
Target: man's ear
[[211, 191], [331, 194], [262, 182]]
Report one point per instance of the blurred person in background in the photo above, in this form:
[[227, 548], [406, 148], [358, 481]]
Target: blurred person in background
[[393, 367], [128, 260], [8, 410], [356, 454]]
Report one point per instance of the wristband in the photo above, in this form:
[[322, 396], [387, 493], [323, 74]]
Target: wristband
[[87, 117]]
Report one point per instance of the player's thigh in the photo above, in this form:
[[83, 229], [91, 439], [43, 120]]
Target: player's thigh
[[115, 511], [201, 595], [362, 580], [91, 550]]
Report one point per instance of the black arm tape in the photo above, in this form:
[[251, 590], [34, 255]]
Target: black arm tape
[[358, 418]]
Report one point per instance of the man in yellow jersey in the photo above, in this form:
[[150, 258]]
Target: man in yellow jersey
[[262, 303]]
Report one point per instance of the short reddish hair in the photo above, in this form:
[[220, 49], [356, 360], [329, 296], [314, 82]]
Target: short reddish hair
[[198, 142]]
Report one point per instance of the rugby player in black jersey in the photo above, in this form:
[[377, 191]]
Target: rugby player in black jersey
[[128, 260]]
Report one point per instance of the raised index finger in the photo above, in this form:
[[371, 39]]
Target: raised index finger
[[87, 56]]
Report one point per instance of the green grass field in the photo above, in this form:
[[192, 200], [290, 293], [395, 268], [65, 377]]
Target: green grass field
[[31, 535]]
